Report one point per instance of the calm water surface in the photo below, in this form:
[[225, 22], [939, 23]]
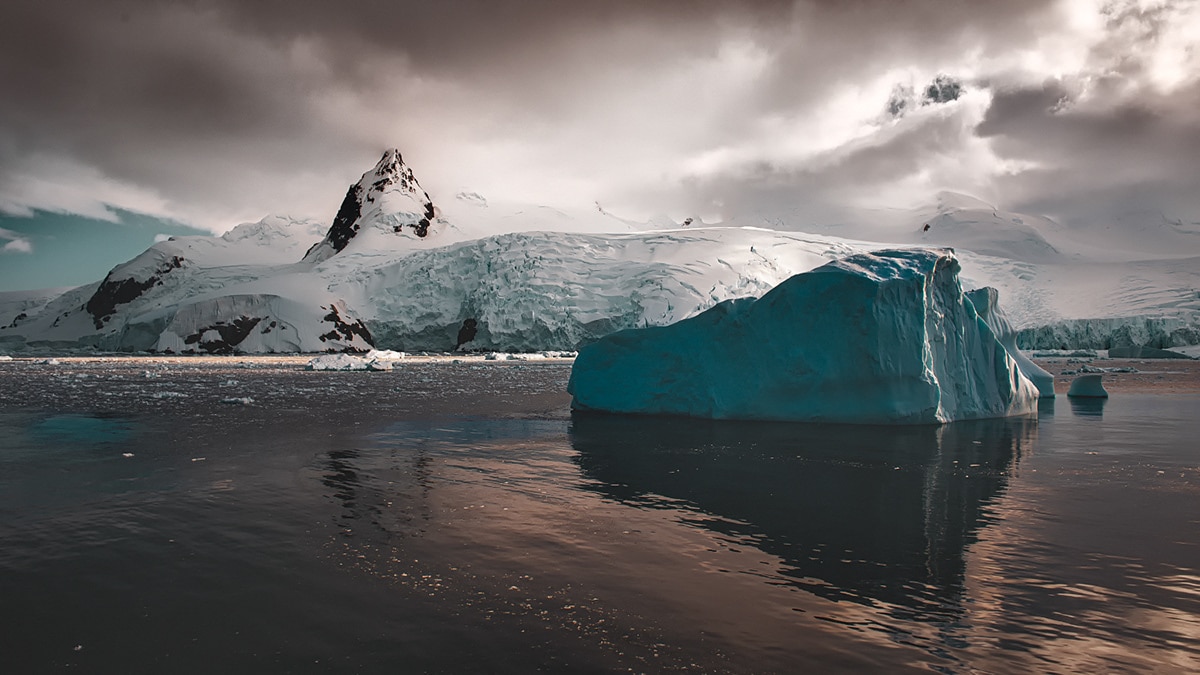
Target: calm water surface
[[456, 518]]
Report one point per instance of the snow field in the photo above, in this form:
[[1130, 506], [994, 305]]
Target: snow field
[[398, 271]]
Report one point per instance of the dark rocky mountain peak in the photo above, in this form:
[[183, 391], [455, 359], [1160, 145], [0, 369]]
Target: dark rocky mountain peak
[[388, 197]]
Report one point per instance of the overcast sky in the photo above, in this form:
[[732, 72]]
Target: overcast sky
[[216, 112]]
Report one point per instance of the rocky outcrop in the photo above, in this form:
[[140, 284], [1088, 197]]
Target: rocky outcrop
[[346, 331], [121, 291]]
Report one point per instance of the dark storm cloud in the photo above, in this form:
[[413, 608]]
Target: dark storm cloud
[[209, 108], [188, 97], [150, 94], [1102, 161], [829, 43], [822, 191], [1110, 144]]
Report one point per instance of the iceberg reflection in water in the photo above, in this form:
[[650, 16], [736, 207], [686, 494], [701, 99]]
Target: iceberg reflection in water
[[1088, 406], [856, 513]]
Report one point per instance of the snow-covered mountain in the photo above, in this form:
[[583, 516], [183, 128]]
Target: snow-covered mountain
[[952, 219], [394, 271], [385, 210]]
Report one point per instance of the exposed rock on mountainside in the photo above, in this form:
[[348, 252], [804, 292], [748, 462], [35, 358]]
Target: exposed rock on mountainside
[[387, 197]]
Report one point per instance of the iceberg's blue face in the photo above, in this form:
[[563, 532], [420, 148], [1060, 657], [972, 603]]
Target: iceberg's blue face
[[873, 338], [70, 250]]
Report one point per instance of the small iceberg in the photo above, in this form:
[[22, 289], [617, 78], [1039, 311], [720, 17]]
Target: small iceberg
[[1087, 386], [376, 361]]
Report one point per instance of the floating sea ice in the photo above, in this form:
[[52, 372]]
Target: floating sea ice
[[559, 355], [337, 362], [374, 360], [1093, 370], [1088, 386], [385, 355]]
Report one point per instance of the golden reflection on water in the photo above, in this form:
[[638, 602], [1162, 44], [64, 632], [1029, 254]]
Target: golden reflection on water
[[844, 550]]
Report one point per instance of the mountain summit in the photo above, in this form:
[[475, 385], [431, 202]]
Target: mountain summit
[[387, 200]]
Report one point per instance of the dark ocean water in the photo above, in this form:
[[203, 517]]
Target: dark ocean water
[[456, 518]]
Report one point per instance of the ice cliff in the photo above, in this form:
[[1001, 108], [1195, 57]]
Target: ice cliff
[[553, 290], [511, 292], [883, 338], [1159, 332]]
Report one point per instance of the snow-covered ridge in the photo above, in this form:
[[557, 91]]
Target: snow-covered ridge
[[517, 292], [393, 271], [286, 238]]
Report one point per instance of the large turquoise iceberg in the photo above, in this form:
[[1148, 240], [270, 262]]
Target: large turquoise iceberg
[[875, 338]]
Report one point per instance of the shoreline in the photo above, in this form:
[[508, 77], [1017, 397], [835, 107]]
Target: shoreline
[[1157, 376], [281, 359], [1165, 376]]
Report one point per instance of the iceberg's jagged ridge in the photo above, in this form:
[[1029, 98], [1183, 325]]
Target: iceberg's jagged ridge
[[883, 338]]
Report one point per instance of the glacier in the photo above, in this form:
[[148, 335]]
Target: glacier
[[877, 338], [1158, 332], [535, 291], [397, 271], [526, 291]]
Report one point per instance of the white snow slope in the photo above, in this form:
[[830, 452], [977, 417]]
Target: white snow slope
[[487, 276], [875, 338]]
